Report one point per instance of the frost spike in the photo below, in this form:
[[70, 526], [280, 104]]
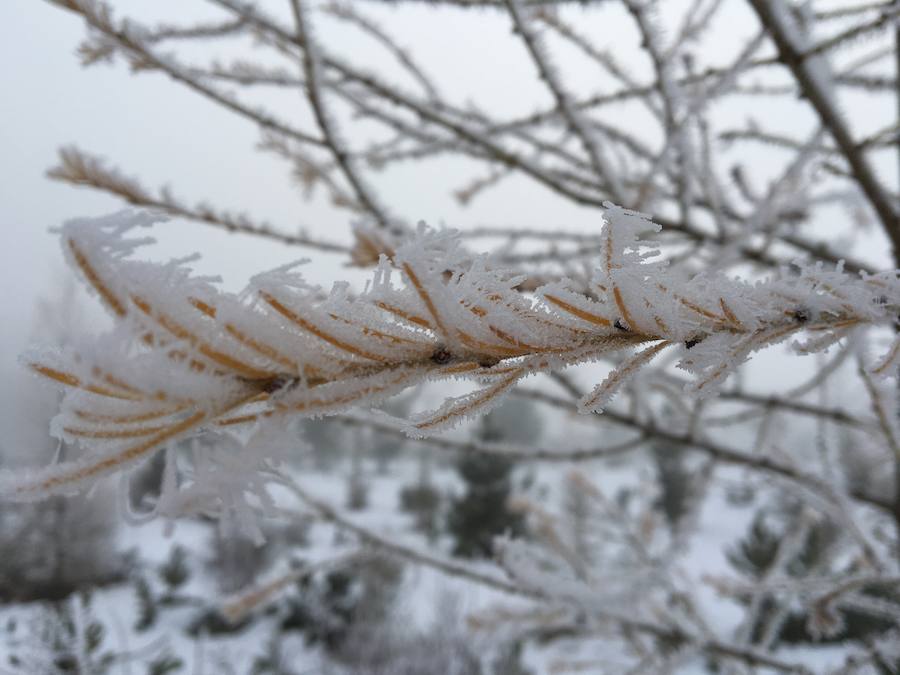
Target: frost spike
[[466, 405], [604, 391]]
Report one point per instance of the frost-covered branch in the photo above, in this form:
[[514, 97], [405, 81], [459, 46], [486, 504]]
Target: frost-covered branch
[[284, 349], [82, 169], [784, 31]]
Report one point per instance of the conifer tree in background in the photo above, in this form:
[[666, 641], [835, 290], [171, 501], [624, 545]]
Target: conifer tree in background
[[423, 499], [327, 440], [357, 485], [482, 512], [675, 482]]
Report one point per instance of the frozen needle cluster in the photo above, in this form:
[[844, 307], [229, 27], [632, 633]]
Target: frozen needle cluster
[[184, 356]]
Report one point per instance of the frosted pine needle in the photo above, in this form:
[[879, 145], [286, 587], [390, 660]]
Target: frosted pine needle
[[185, 356]]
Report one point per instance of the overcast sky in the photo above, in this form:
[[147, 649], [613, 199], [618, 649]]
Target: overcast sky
[[155, 129]]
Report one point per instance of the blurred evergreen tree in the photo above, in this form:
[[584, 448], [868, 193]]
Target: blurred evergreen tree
[[676, 484], [357, 498], [423, 499], [482, 512], [327, 439]]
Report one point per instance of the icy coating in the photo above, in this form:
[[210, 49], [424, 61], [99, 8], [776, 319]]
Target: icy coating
[[185, 356]]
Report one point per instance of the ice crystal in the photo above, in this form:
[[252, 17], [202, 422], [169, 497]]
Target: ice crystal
[[186, 357]]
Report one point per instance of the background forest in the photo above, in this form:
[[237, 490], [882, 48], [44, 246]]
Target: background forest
[[726, 502]]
